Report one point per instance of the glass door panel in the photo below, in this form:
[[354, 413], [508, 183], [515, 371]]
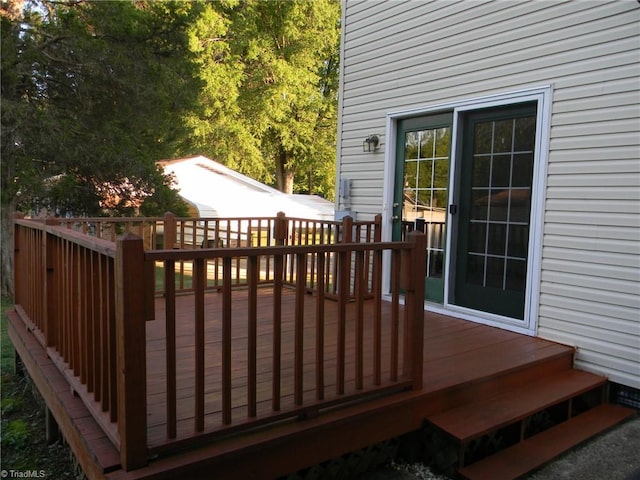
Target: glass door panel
[[421, 193], [494, 211]]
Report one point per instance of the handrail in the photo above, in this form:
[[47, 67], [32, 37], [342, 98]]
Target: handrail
[[177, 255]]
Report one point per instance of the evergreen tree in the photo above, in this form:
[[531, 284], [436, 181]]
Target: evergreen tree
[[93, 94], [271, 70]]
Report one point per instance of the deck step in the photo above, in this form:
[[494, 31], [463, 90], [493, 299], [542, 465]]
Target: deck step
[[538, 450], [486, 414]]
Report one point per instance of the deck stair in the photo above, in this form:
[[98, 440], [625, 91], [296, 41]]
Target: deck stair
[[512, 428]]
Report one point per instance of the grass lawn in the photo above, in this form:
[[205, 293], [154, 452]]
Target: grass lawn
[[187, 278], [24, 448]]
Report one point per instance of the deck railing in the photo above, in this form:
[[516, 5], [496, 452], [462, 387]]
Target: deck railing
[[65, 292], [88, 300], [171, 232]]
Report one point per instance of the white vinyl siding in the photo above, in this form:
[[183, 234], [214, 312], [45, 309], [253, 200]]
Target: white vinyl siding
[[418, 54]]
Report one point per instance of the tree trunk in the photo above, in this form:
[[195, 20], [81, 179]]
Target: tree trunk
[[6, 249], [284, 174]]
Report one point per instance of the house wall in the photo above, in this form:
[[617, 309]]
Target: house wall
[[405, 55]]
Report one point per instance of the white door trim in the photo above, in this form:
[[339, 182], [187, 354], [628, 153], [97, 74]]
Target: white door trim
[[542, 95]]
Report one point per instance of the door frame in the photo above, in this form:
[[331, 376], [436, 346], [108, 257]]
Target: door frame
[[543, 96]]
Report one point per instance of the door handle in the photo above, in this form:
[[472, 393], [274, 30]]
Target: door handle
[[453, 209]]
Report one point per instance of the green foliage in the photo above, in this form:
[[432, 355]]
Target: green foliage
[[10, 405], [94, 94], [164, 198], [16, 433], [292, 57], [6, 348], [220, 130], [270, 101]]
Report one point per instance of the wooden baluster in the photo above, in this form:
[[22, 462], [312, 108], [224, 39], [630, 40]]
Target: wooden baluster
[[331, 278], [64, 293], [301, 287], [343, 295], [226, 341], [280, 237], [377, 316], [199, 280], [238, 244], [170, 335], [312, 273], [395, 312], [91, 321], [112, 341], [76, 298], [218, 243], [98, 339], [252, 333], [52, 297], [278, 272], [360, 279], [83, 317], [320, 299]]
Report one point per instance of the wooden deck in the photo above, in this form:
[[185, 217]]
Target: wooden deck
[[457, 354], [266, 356]]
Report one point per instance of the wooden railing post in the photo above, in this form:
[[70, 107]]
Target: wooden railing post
[[377, 234], [280, 228], [280, 233], [414, 273], [131, 351], [347, 230], [347, 237], [170, 231]]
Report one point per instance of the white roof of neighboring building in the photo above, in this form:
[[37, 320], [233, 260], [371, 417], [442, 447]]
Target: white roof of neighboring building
[[218, 191]]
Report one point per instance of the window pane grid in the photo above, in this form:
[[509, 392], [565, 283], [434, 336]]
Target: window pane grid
[[498, 258], [425, 191]]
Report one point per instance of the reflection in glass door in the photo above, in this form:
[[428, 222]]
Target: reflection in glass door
[[422, 179], [494, 212]]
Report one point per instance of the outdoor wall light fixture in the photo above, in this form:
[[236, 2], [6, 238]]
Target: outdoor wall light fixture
[[371, 144]]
